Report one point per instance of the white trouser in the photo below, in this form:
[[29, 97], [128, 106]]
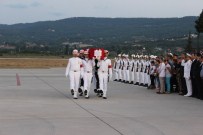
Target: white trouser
[[74, 81], [103, 79], [124, 75], [137, 77], [127, 72], [120, 74], [145, 78], [189, 86], [116, 74], [132, 76], [87, 81]]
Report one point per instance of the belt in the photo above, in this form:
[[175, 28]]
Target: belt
[[88, 71]]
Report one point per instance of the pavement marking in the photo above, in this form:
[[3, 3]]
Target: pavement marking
[[18, 80], [94, 115]]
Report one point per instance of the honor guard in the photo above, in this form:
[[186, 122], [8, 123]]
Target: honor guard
[[116, 68], [105, 74], [132, 69], [80, 90], [137, 70], [88, 74], [74, 71], [127, 69], [123, 67], [119, 68]]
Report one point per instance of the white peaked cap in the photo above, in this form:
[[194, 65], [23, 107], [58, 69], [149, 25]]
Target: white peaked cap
[[119, 55], [123, 55], [188, 54], [171, 54]]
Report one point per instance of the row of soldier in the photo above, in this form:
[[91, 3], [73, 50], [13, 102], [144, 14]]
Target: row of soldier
[[82, 70], [183, 74], [134, 71]]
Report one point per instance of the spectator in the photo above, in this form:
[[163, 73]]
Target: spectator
[[168, 77]]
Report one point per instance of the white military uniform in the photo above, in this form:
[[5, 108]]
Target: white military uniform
[[123, 69], [88, 74], [187, 68], [116, 69], [141, 75], [127, 70], [120, 69], [132, 70], [145, 72], [137, 72], [74, 71], [105, 69]]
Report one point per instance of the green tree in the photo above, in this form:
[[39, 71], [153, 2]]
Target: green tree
[[189, 48], [199, 27]]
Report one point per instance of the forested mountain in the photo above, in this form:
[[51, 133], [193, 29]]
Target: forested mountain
[[97, 30]]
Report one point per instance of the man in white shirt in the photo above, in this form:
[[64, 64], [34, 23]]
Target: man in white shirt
[[88, 73], [187, 68], [116, 67], [162, 75], [137, 70], [132, 69], [74, 71], [104, 71]]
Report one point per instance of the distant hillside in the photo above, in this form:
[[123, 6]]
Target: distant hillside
[[94, 30]]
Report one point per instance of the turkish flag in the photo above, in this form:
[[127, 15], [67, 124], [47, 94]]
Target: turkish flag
[[97, 53]]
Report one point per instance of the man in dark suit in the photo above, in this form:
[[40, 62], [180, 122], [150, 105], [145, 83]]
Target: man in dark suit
[[193, 74], [200, 87]]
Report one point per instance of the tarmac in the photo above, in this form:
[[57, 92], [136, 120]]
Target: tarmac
[[42, 105]]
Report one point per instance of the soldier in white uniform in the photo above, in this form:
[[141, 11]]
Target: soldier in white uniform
[[116, 68], [119, 68], [123, 68], [74, 71], [187, 68], [81, 88], [88, 73], [141, 75], [132, 69], [127, 69], [145, 71], [104, 71], [137, 70]]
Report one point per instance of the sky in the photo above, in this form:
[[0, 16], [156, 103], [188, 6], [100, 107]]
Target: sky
[[27, 11]]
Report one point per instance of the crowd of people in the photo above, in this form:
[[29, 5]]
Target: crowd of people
[[171, 73]]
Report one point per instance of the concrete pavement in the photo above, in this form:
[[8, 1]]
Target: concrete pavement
[[42, 105]]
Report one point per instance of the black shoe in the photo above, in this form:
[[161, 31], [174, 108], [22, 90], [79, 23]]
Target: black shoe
[[127, 82], [131, 82], [75, 98], [81, 94], [95, 91], [80, 90], [145, 85], [85, 92], [119, 80], [136, 83], [141, 84], [123, 81], [115, 80], [72, 92], [104, 97]]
